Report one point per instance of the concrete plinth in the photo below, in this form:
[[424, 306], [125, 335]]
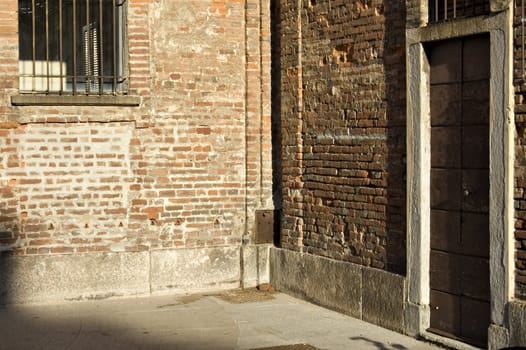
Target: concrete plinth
[[372, 295], [48, 278]]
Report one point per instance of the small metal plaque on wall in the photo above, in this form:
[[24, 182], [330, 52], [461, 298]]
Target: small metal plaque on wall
[[264, 226]]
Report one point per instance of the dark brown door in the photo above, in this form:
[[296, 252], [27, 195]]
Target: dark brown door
[[459, 269]]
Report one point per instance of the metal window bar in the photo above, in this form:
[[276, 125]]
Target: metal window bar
[[74, 16], [33, 81], [447, 10], [113, 52], [101, 47], [69, 41], [47, 46], [60, 45]]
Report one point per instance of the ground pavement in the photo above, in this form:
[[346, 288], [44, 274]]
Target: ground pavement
[[248, 319]]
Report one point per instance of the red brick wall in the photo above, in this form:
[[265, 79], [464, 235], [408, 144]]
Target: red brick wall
[[290, 125], [186, 168], [343, 130], [9, 160]]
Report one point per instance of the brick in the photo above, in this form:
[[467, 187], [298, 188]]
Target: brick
[[339, 168], [95, 171]]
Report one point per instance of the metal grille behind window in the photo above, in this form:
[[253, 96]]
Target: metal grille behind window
[[72, 47], [445, 10]]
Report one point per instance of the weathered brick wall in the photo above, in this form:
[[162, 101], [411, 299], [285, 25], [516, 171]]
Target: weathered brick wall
[[9, 159], [291, 133], [343, 130], [187, 168], [520, 157]]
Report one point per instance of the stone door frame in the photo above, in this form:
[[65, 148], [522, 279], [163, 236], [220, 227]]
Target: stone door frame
[[501, 210]]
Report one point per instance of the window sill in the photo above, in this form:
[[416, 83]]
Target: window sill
[[40, 100]]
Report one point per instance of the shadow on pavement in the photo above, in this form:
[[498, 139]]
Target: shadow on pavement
[[380, 345], [84, 325]]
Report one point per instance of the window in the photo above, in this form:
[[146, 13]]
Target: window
[[446, 10], [72, 47]]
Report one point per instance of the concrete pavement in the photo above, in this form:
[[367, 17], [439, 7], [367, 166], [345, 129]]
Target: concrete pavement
[[227, 320]]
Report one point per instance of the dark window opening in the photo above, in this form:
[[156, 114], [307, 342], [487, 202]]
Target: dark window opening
[[445, 10], [72, 47]]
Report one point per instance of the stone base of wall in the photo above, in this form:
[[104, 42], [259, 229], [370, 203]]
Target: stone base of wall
[[39, 278], [373, 295], [500, 337], [517, 322]]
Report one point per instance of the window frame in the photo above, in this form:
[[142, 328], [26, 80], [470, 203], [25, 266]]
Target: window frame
[[116, 95]]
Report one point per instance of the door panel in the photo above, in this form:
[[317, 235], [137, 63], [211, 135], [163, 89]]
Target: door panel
[[475, 58], [446, 104], [446, 141], [446, 230], [475, 144], [475, 190], [445, 273], [460, 232], [445, 312], [475, 321], [446, 62], [474, 276], [474, 231], [474, 108], [446, 188], [459, 188]]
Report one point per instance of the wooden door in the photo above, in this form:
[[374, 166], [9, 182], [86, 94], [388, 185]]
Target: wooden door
[[459, 269]]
